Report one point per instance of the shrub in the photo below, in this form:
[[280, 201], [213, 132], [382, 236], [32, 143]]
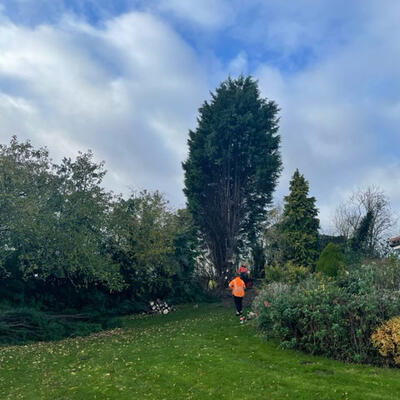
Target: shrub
[[323, 316], [386, 339], [268, 295], [274, 273], [382, 275], [296, 273], [290, 273], [331, 260]]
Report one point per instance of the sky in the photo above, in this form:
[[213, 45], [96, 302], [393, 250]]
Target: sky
[[125, 78]]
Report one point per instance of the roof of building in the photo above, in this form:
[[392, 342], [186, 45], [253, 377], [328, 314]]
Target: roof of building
[[395, 239]]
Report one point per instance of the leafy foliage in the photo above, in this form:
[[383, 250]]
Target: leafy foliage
[[66, 243], [386, 338], [154, 247], [330, 317], [232, 167], [331, 260], [52, 219], [290, 273]]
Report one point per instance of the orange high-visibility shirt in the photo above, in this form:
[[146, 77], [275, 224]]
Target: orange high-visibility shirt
[[237, 286]]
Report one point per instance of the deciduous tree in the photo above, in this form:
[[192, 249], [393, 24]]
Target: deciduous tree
[[369, 206]]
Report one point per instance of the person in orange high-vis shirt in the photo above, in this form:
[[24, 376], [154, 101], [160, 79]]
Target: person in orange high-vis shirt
[[238, 288]]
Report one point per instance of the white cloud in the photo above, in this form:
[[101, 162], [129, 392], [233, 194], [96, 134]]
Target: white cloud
[[339, 122], [129, 91]]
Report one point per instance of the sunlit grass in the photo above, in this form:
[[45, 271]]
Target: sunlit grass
[[194, 353]]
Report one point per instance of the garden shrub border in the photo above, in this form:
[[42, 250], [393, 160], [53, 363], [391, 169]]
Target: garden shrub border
[[332, 317]]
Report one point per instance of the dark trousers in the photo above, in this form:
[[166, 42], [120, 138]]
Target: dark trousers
[[238, 303]]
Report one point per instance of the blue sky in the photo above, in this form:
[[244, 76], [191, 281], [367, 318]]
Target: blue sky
[[125, 78]]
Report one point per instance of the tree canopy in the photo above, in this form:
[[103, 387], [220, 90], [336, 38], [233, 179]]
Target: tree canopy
[[66, 241], [232, 168]]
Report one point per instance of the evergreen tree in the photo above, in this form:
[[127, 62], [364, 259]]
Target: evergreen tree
[[360, 242], [300, 224], [232, 167]]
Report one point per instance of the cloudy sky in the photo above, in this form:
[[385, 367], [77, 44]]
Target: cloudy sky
[[125, 78]]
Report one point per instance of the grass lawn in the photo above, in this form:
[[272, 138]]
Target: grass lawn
[[194, 353]]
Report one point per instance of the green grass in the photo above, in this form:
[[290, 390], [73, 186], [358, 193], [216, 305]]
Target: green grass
[[194, 353]]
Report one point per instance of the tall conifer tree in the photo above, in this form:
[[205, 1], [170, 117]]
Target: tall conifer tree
[[300, 224], [232, 167]]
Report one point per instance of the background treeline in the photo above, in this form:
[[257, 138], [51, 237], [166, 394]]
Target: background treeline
[[66, 244], [292, 241]]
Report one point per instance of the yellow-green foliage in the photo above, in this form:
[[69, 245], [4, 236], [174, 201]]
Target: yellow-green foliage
[[386, 339], [296, 273], [212, 284], [290, 273]]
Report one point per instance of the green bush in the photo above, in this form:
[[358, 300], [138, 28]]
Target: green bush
[[333, 318], [274, 273], [331, 261], [290, 273]]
